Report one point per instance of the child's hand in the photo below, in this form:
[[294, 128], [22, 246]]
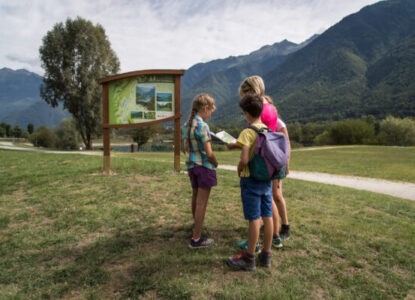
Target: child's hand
[[240, 168]]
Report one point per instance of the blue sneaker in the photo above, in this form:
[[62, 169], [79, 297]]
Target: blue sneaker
[[243, 245], [277, 242]]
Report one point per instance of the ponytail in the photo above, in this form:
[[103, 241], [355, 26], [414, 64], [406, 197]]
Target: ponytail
[[189, 125]]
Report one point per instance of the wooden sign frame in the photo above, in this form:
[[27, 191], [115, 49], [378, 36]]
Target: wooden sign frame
[[106, 126]]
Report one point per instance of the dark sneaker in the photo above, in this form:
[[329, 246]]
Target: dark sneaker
[[264, 259], [202, 243], [285, 232], [277, 242], [242, 262], [244, 245]]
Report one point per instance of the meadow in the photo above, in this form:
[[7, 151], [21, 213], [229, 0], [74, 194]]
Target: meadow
[[68, 231]]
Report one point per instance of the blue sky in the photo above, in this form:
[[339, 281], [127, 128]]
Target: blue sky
[[168, 34]]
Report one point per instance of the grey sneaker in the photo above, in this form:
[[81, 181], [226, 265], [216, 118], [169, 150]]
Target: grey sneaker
[[277, 242], [264, 259], [285, 232], [242, 262], [202, 243]]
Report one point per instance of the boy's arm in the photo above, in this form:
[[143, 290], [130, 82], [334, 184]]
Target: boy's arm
[[244, 159], [231, 146], [209, 153]]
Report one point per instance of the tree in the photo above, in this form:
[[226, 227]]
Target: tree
[[67, 137], [141, 135], [396, 131], [17, 131], [351, 132], [74, 55], [7, 129], [30, 128]]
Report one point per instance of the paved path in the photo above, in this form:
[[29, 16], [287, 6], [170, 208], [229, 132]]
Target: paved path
[[397, 189], [9, 146]]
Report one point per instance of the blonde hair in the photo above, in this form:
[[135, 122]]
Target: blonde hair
[[199, 102], [269, 99], [253, 84]]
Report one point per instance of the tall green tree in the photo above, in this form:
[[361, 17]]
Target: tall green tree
[[74, 56], [30, 128]]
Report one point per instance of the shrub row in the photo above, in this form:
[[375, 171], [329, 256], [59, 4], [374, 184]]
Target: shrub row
[[390, 131], [64, 137]]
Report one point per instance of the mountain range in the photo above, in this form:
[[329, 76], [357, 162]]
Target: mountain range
[[364, 64], [20, 100]]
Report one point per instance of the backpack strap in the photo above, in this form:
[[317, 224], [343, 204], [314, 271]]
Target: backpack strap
[[260, 130]]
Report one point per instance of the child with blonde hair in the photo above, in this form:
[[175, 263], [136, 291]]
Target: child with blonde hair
[[269, 117], [201, 164]]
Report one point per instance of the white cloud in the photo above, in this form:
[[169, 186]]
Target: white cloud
[[159, 34]]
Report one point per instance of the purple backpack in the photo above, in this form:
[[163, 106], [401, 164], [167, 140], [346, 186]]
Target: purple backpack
[[270, 155]]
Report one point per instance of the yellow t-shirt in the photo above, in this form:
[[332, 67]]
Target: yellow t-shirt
[[247, 138]]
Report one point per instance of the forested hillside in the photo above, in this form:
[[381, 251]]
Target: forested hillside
[[221, 78], [363, 65]]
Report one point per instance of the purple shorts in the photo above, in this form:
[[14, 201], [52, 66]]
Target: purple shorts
[[201, 177]]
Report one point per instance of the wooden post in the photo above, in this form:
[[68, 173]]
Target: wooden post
[[106, 130], [177, 131]]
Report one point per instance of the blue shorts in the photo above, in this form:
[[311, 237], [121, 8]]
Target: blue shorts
[[256, 198]]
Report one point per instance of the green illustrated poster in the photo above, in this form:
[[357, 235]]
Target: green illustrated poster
[[141, 99]]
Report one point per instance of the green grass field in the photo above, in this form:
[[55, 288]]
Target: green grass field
[[67, 231]]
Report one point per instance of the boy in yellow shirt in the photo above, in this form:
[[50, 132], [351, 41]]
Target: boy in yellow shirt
[[256, 195]]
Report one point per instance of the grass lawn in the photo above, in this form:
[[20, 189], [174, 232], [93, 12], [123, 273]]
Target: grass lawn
[[66, 231], [391, 163]]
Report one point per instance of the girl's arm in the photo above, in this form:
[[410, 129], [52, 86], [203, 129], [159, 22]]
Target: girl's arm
[[244, 159], [285, 132], [209, 153]]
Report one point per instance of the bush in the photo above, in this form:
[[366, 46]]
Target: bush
[[310, 131], [323, 139], [350, 132], [396, 131], [295, 131], [43, 137], [67, 136]]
